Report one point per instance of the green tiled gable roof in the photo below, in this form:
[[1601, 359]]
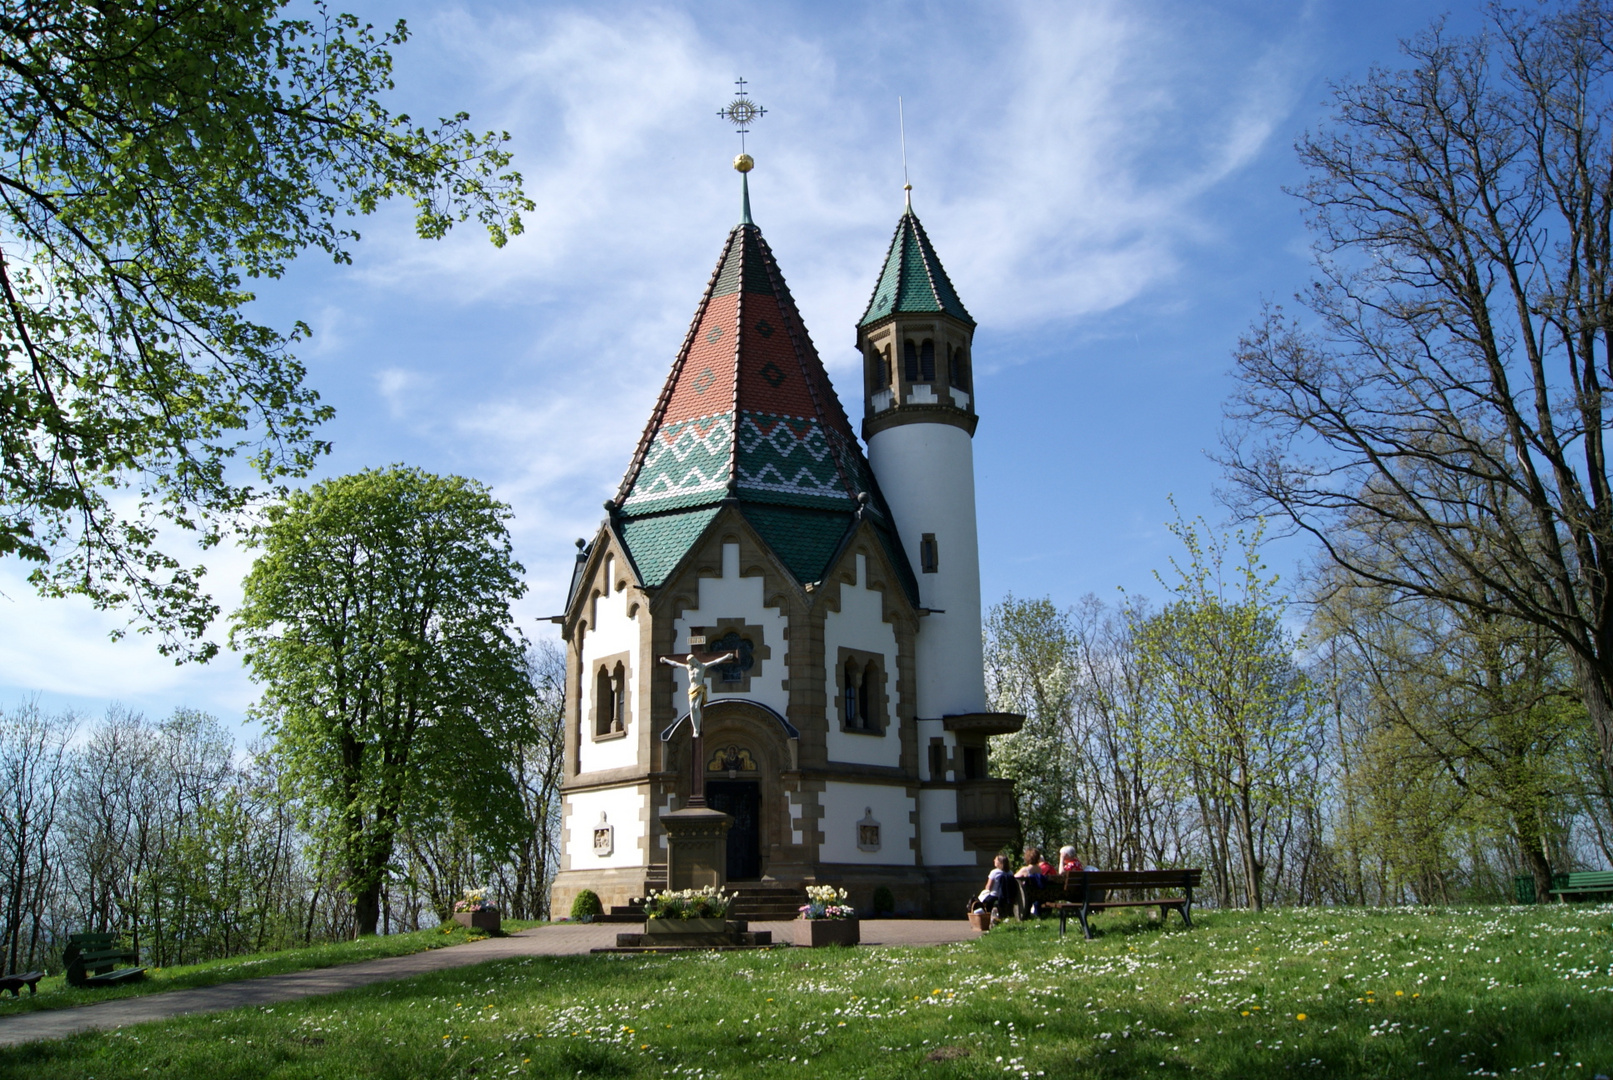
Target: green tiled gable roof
[[804, 540], [913, 279], [657, 543]]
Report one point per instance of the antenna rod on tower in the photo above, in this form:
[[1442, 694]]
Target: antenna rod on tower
[[901, 125]]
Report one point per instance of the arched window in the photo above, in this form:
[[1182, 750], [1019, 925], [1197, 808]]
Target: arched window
[[618, 692], [879, 376], [960, 368], [870, 678], [910, 356], [854, 716], [927, 361], [604, 702]]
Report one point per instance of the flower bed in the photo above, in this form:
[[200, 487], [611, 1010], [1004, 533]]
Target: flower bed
[[826, 902], [707, 903], [476, 911]]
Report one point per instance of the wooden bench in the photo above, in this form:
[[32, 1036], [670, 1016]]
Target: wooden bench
[[1081, 892], [1582, 884], [15, 983], [93, 959]]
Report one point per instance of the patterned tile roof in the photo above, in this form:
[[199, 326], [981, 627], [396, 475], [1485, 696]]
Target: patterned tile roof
[[912, 279], [747, 414]]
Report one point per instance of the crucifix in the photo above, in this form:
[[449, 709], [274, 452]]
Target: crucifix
[[696, 670]]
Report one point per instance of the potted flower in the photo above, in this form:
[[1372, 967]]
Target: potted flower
[[476, 911], [826, 918], [687, 912]]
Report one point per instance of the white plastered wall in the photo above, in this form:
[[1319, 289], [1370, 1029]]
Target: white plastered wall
[[623, 810], [926, 472], [844, 805], [860, 624], [938, 806], [735, 597], [611, 630]]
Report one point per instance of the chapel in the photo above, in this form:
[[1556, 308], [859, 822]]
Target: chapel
[[846, 737]]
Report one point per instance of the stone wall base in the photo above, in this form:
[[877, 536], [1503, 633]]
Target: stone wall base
[[615, 887]]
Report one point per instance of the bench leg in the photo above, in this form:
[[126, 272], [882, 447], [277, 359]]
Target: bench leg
[[1085, 925]]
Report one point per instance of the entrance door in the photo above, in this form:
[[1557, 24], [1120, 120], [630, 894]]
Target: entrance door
[[741, 800]]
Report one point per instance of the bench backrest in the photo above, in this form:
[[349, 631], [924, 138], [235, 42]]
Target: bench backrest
[[1585, 879], [1073, 885], [98, 950]]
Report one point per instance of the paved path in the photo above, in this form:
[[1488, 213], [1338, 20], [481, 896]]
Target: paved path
[[560, 940]]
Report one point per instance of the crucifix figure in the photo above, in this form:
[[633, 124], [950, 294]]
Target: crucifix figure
[[696, 670]]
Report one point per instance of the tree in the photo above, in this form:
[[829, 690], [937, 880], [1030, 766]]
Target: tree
[[1239, 716], [1440, 425], [154, 157], [378, 620], [1028, 648], [1483, 701]]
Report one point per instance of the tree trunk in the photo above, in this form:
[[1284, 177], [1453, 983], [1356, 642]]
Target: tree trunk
[[366, 911], [1593, 684]]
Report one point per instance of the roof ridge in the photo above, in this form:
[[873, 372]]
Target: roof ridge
[[739, 343], [927, 250], [796, 328], [879, 279], [665, 397]]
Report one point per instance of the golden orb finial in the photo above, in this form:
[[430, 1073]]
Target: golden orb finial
[[744, 163]]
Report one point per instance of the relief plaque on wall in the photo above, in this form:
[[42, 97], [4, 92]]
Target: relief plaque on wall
[[868, 831], [604, 837]]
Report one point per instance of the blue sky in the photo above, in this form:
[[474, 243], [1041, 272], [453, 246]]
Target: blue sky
[[1102, 180]]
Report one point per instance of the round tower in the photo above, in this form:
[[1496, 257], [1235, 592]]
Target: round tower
[[918, 421]]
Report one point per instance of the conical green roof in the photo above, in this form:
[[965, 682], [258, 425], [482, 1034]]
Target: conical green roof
[[913, 279]]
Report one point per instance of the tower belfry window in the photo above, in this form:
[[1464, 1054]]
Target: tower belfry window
[[929, 555], [910, 358], [879, 376], [927, 361], [960, 368]]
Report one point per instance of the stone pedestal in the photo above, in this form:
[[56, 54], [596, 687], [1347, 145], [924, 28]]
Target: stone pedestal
[[479, 920], [697, 847], [816, 933]]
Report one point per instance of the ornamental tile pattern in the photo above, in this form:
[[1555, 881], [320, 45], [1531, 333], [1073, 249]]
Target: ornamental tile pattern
[[747, 414]]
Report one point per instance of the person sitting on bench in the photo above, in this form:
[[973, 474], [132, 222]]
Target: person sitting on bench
[[991, 897], [1068, 861], [1035, 871]]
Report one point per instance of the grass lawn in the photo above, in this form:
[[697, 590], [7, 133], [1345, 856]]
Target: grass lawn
[[1323, 993], [54, 993]]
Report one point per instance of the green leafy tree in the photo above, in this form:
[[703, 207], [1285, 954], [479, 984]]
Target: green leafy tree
[[1239, 721], [378, 621], [1486, 705], [1438, 421], [154, 158]]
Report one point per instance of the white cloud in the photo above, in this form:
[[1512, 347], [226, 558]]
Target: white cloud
[[1062, 157]]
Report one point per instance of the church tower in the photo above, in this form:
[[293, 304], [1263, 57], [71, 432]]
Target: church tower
[[918, 423]]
